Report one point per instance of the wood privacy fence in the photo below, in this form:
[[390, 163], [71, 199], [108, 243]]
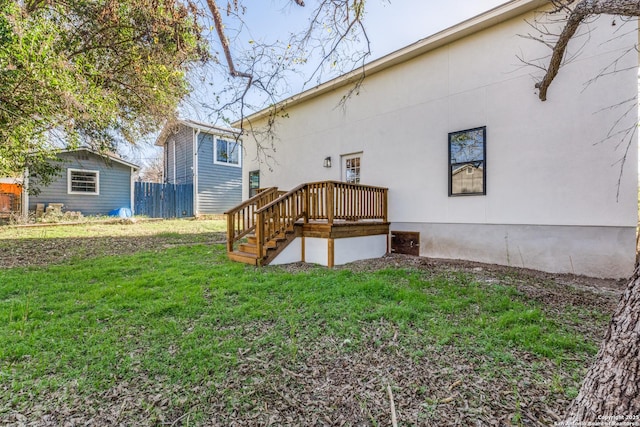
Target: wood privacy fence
[[163, 200]]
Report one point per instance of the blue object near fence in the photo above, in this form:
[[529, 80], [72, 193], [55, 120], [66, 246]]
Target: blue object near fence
[[121, 213], [163, 200]]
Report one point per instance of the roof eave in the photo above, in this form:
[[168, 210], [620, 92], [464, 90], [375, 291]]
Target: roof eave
[[110, 157], [473, 25], [203, 127]]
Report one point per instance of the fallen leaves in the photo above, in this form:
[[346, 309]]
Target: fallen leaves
[[325, 385]]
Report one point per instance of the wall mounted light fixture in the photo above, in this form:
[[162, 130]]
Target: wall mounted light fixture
[[327, 162]]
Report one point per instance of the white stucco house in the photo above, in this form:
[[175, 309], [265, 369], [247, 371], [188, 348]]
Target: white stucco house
[[474, 163]]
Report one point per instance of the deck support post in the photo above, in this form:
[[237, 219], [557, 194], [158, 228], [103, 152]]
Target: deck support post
[[330, 253], [385, 206]]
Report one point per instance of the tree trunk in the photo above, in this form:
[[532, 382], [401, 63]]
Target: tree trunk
[[611, 390]]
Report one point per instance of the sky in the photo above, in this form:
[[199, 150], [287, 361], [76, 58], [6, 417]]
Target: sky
[[390, 25], [402, 22]]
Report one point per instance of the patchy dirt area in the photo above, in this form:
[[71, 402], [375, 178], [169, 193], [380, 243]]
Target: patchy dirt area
[[440, 388], [46, 251], [323, 386]]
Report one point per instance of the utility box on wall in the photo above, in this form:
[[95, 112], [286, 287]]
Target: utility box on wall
[[405, 242]]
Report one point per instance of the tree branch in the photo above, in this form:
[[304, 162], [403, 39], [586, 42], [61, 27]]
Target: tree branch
[[582, 10]]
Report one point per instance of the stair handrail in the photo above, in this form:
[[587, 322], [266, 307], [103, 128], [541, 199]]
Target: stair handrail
[[322, 200], [241, 219], [282, 196], [279, 216]]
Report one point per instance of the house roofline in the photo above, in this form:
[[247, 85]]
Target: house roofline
[[11, 180], [463, 29], [97, 153], [194, 124], [461, 168]]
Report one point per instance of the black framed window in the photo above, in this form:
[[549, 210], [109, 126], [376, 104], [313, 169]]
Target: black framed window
[[467, 162]]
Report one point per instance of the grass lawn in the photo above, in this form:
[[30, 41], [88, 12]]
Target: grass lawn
[[150, 324]]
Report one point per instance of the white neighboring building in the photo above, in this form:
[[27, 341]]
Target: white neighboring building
[[544, 188]]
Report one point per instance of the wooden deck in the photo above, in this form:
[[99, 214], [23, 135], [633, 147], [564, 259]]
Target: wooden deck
[[263, 226], [341, 230]]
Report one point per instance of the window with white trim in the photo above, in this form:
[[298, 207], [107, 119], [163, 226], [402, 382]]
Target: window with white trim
[[227, 152], [80, 181]]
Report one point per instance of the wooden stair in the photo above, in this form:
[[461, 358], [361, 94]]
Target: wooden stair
[[287, 215], [247, 252]]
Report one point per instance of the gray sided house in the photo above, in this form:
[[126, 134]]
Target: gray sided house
[[90, 182], [208, 157]]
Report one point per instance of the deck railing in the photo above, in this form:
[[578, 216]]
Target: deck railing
[[241, 219], [331, 200], [319, 201]]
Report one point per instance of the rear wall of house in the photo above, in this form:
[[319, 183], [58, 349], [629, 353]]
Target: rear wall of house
[[178, 156], [219, 186], [557, 196], [114, 186]]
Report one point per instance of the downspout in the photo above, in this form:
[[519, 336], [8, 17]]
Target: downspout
[[165, 161], [132, 194], [196, 132], [174, 162]]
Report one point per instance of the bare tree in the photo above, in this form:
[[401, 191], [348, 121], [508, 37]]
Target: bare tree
[[153, 170], [335, 35], [610, 393], [611, 390], [577, 12], [331, 42]]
